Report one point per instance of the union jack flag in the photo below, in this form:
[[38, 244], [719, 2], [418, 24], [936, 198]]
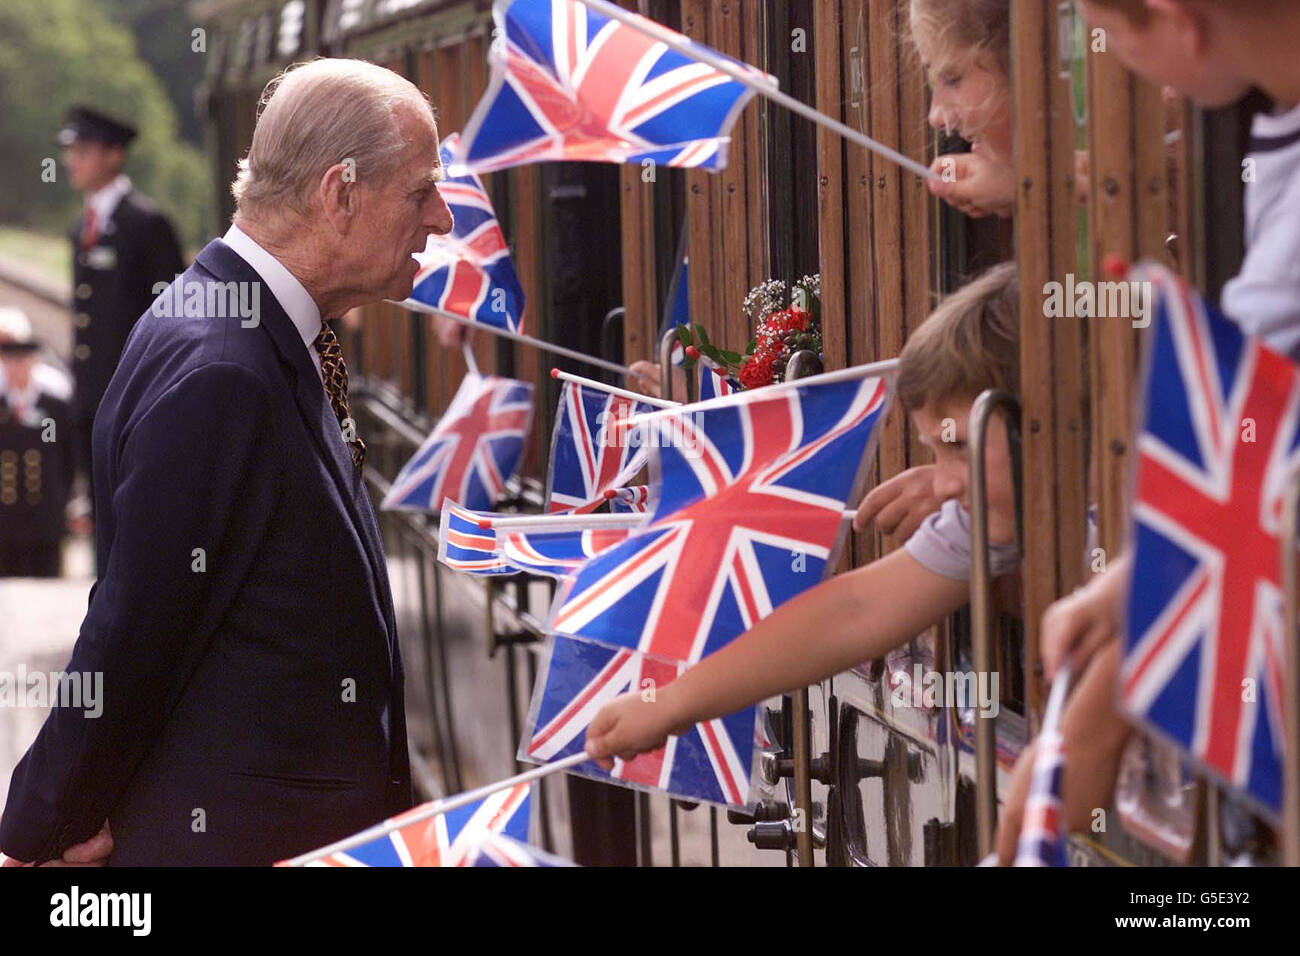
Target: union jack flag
[[1042, 837], [590, 453], [712, 383], [557, 553], [632, 499], [710, 762], [500, 850], [570, 84], [466, 546], [468, 272], [455, 838], [749, 514], [472, 452], [1204, 649]]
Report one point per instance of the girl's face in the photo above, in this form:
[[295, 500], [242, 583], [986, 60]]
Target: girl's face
[[969, 95]]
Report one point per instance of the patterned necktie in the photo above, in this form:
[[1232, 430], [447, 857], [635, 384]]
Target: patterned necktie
[[89, 229], [336, 385]]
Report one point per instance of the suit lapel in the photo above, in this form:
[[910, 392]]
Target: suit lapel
[[313, 405]]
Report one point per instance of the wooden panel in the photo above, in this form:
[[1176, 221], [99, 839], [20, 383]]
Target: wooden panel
[[731, 261], [1046, 219], [433, 353], [526, 247], [1127, 204], [755, 158], [448, 96], [830, 183], [636, 211], [887, 234], [474, 67], [705, 296]]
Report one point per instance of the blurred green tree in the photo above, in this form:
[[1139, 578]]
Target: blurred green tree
[[58, 52]]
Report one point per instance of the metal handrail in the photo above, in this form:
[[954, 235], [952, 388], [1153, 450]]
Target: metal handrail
[[801, 365], [1291, 679], [986, 766]]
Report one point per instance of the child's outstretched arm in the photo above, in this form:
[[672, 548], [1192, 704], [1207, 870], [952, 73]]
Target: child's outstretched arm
[[849, 619]]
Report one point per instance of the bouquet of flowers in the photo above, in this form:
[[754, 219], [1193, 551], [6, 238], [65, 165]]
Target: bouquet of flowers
[[786, 319]]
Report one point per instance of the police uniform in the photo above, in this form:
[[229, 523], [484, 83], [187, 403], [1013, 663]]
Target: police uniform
[[36, 469], [122, 246]]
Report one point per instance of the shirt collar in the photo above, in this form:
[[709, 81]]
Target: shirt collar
[[104, 201], [288, 291]]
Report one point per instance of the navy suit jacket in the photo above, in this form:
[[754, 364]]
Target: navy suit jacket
[[252, 690]]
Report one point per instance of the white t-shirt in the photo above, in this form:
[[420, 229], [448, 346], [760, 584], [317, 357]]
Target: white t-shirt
[[942, 545], [1264, 297]]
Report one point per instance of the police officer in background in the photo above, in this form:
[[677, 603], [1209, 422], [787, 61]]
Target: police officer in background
[[36, 461], [122, 246]]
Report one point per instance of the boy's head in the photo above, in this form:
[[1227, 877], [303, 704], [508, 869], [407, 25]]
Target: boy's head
[[969, 344], [965, 48], [1202, 48]]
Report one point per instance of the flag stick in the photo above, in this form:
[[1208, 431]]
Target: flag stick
[[705, 55], [561, 522], [578, 522], [415, 306], [470, 362], [825, 378], [439, 806], [620, 392]]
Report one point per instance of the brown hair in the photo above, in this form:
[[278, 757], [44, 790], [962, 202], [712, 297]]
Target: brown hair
[[982, 26], [970, 343]]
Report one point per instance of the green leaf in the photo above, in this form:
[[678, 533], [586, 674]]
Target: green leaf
[[732, 358], [704, 336], [753, 344], [684, 335]]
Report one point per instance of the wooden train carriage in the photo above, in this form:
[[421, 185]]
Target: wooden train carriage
[[596, 245]]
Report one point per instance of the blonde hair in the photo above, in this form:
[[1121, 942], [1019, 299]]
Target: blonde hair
[[315, 115], [971, 26], [970, 343]]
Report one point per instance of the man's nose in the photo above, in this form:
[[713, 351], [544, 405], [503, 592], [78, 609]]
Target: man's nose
[[440, 219]]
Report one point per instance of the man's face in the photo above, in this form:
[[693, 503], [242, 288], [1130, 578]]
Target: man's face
[[944, 428], [1177, 47], [91, 165], [397, 216]]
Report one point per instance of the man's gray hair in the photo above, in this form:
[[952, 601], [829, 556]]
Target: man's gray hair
[[317, 114]]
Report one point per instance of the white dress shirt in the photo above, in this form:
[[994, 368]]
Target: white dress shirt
[[288, 291], [104, 201]]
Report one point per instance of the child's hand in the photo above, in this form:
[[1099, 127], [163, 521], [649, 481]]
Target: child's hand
[[899, 505], [629, 725], [976, 183], [646, 378], [1078, 625], [1011, 816], [450, 333]]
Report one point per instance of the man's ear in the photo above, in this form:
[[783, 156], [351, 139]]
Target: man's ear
[[339, 196]]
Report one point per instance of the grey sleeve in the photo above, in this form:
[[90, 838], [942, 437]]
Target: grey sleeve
[[942, 544]]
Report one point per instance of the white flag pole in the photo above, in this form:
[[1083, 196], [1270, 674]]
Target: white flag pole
[[415, 306], [470, 362], [825, 378], [561, 522], [620, 392], [437, 807], [703, 54]]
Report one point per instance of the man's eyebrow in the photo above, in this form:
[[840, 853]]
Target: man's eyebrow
[[434, 176]]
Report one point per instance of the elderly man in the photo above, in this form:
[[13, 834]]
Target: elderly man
[[252, 685]]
